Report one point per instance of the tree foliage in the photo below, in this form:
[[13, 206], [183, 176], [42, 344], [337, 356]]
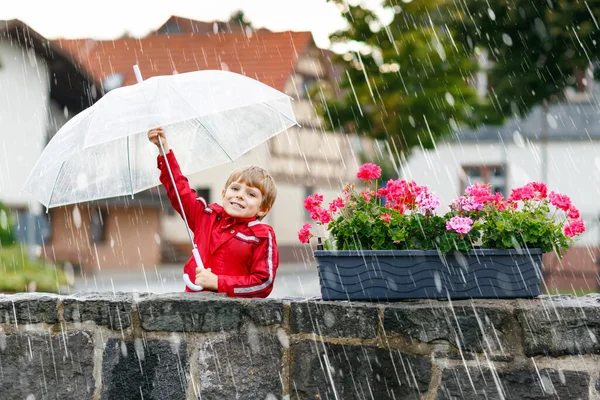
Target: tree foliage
[[409, 83], [535, 47]]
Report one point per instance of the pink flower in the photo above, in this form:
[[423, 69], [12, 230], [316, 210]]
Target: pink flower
[[459, 224], [499, 201], [312, 202], [574, 228], [304, 234], [325, 217], [540, 189], [336, 204], [428, 201], [523, 193], [385, 217], [573, 212], [369, 171], [367, 194], [560, 201]]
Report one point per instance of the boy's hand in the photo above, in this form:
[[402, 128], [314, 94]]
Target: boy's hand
[[206, 279], [156, 134]]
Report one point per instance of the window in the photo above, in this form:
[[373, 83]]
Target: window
[[204, 193], [98, 225], [306, 85], [493, 174]]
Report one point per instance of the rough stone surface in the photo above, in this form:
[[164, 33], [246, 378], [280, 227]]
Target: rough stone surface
[[41, 366], [246, 365], [29, 308], [471, 326], [152, 369], [329, 371], [567, 327], [334, 319], [105, 309], [205, 312], [522, 384]]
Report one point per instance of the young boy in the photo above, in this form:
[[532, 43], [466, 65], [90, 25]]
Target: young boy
[[239, 252]]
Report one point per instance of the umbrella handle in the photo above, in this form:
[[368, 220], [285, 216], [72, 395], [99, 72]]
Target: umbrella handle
[[186, 277]]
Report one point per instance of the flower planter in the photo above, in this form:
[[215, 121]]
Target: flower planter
[[385, 275]]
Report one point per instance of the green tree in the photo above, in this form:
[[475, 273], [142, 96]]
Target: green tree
[[6, 233], [408, 83], [535, 47]]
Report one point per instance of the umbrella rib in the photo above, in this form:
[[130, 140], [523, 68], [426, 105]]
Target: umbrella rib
[[54, 186], [214, 139], [201, 124], [129, 168], [280, 113]]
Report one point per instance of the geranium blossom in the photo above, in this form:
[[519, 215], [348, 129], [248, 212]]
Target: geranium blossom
[[369, 171], [459, 224], [574, 228], [312, 202], [304, 234], [336, 204], [428, 201], [561, 201], [385, 217]]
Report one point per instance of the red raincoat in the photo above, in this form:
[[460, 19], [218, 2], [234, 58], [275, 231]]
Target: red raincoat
[[242, 252]]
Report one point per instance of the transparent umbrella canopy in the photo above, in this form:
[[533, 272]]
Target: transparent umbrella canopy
[[209, 118]]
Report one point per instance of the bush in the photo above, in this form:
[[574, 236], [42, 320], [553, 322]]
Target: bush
[[6, 231], [19, 274]]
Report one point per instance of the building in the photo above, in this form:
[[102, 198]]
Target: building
[[41, 86]]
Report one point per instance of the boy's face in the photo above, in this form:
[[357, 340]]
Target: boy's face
[[242, 201]]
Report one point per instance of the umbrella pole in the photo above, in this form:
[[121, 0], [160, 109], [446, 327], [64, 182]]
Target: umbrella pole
[[195, 252]]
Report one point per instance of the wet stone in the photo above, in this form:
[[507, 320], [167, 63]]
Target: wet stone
[[335, 319], [472, 327], [205, 312], [330, 371], [45, 366], [476, 384], [246, 365], [105, 309], [151, 369], [565, 328], [29, 308]]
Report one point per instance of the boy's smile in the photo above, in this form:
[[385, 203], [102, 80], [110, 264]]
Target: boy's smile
[[242, 201]]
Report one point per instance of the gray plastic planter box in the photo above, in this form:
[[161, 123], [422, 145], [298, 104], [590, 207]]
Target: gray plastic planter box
[[382, 275]]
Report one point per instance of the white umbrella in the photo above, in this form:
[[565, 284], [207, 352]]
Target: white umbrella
[[209, 117]]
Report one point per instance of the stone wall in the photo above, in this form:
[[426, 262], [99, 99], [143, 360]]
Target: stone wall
[[190, 346]]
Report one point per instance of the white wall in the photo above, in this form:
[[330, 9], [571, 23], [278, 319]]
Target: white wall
[[573, 169], [24, 93]]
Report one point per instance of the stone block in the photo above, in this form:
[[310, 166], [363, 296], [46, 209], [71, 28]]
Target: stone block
[[41, 366], [29, 308], [245, 365], [105, 309], [566, 327], [475, 383], [205, 312], [322, 370], [335, 319], [144, 369], [475, 327]]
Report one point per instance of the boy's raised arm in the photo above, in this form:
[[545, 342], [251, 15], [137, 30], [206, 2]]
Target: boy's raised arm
[[191, 206]]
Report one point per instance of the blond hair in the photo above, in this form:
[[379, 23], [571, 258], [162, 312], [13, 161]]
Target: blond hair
[[259, 178]]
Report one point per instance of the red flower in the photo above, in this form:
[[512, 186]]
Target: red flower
[[369, 171], [574, 228], [304, 234]]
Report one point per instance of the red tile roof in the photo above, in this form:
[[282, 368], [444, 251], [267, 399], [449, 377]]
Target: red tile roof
[[269, 57]]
